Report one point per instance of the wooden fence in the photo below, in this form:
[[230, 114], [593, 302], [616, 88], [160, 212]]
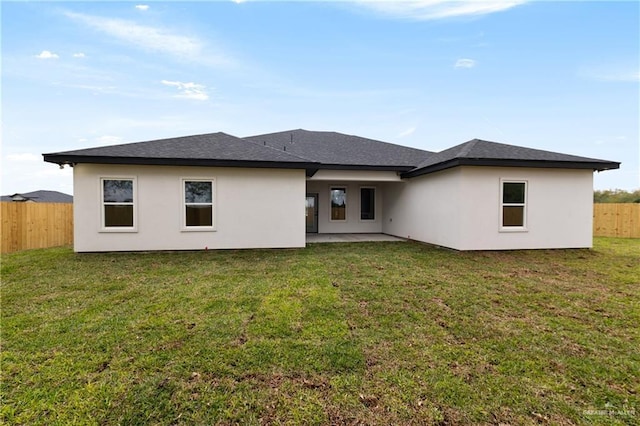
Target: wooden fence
[[40, 225], [35, 225], [616, 220]]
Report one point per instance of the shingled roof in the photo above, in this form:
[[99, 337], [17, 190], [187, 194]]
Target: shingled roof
[[41, 196], [479, 152], [338, 149], [309, 150], [213, 149]]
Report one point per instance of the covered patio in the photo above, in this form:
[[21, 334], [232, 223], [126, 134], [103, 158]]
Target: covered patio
[[349, 238]]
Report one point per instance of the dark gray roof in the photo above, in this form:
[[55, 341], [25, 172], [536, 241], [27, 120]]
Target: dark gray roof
[[338, 149], [303, 149], [214, 149], [40, 197], [484, 153]]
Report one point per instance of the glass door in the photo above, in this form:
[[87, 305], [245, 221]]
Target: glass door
[[311, 213]]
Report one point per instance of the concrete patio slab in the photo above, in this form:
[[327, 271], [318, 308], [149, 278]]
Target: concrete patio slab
[[349, 238]]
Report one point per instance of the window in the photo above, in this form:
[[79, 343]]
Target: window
[[339, 203], [198, 204], [118, 205], [514, 196], [367, 203]]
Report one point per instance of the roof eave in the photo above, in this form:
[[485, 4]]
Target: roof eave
[[370, 167], [202, 162], [62, 158], [592, 165]]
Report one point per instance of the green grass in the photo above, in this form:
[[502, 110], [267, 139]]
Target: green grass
[[364, 333]]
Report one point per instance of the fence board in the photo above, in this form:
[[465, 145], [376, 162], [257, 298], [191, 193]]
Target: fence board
[[35, 225], [616, 220]]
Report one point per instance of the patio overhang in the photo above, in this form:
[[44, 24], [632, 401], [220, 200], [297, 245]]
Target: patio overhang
[[356, 175]]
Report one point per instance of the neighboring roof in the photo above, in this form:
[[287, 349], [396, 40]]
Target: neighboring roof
[[309, 150], [478, 152], [40, 197], [213, 149], [337, 149]]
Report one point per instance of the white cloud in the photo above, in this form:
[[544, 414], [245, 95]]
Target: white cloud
[[142, 7], [407, 132], [152, 38], [188, 90], [45, 54], [142, 36], [79, 55], [465, 63], [424, 10]]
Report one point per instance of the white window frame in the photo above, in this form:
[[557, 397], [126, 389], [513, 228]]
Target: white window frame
[[522, 228], [134, 203], [183, 205], [346, 203], [375, 204]]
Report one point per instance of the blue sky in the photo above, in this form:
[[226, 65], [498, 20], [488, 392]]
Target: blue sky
[[560, 76]]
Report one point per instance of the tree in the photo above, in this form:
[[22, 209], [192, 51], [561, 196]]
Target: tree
[[616, 196]]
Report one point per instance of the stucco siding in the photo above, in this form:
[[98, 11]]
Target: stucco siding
[[253, 208], [460, 208], [259, 208], [559, 208], [425, 208]]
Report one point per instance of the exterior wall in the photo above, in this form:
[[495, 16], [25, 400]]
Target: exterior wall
[[253, 208], [353, 224], [426, 208], [559, 209], [260, 208], [460, 208]]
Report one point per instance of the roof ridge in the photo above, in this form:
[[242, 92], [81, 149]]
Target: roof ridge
[[528, 148], [274, 133], [467, 147], [278, 150], [349, 135]]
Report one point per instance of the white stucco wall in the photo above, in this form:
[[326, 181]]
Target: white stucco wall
[[559, 208], [353, 224], [460, 208], [253, 208], [425, 208]]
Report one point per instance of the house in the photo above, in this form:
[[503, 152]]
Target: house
[[39, 197], [219, 191]]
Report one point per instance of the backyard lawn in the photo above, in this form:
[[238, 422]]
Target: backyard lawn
[[359, 333]]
